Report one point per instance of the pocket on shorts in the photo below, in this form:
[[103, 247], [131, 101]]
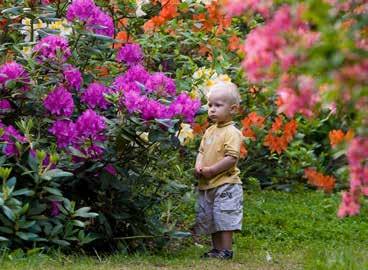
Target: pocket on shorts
[[231, 199]]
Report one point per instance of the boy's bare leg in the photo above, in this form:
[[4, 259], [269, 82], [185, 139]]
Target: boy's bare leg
[[216, 240], [226, 240]]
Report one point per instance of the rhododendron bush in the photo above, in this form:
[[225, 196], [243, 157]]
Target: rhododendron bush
[[74, 135]]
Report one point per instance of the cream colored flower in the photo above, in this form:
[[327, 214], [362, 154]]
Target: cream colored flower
[[185, 133], [63, 26], [26, 28], [26, 52], [143, 136], [139, 12]]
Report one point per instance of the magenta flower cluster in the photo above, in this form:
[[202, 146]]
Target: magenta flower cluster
[[9, 137], [72, 76], [161, 84], [131, 54], [135, 74], [137, 85], [5, 106], [96, 20], [185, 106], [13, 71], [59, 102], [83, 134], [93, 96], [52, 47], [64, 131]]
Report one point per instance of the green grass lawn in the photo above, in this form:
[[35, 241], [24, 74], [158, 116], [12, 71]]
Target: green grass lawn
[[281, 231]]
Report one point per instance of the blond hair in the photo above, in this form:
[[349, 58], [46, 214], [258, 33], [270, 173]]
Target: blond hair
[[228, 88]]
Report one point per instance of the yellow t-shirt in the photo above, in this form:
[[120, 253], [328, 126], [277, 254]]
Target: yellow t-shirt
[[220, 141]]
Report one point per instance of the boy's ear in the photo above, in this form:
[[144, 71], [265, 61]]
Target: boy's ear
[[234, 108]]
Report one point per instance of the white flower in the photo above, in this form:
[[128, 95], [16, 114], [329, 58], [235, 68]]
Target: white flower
[[139, 12], [26, 28], [27, 52]]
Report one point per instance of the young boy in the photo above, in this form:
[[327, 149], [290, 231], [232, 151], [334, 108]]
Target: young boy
[[220, 201]]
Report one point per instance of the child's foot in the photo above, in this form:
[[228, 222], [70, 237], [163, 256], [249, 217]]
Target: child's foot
[[224, 254], [210, 254]]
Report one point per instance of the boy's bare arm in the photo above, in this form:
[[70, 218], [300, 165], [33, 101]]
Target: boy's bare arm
[[224, 164], [198, 165]]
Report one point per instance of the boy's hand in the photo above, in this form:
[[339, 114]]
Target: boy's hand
[[197, 172], [207, 172]]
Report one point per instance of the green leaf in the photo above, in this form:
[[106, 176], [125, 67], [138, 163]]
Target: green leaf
[[84, 212], [23, 191], [57, 229], [180, 234], [99, 37], [62, 243], [27, 236], [55, 173], [8, 213], [3, 239], [78, 223], [7, 230], [54, 191], [11, 182], [26, 224]]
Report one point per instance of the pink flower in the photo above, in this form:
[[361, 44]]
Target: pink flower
[[237, 7], [72, 76], [59, 102], [161, 84], [96, 20], [52, 47], [301, 100], [111, 169], [131, 54], [5, 106], [93, 96], [349, 205], [13, 71], [357, 158], [10, 137], [64, 131]]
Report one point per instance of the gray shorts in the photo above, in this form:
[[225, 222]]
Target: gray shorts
[[219, 209]]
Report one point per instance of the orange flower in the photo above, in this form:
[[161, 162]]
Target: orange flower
[[243, 151], [253, 119], [337, 136], [234, 43], [290, 130], [123, 37], [280, 135], [349, 135], [214, 17], [199, 129], [325, 182], [168, 12], [102, 71]]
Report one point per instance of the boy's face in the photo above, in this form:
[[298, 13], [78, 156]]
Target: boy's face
[[220, 107]]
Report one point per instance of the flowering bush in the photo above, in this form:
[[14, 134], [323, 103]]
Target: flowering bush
[[73, 139], [313, 55]]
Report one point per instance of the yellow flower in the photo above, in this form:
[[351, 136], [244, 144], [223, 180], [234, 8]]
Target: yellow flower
[[185, 134], [62, 26], [143, 136], [26, 51], [224, 78]]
